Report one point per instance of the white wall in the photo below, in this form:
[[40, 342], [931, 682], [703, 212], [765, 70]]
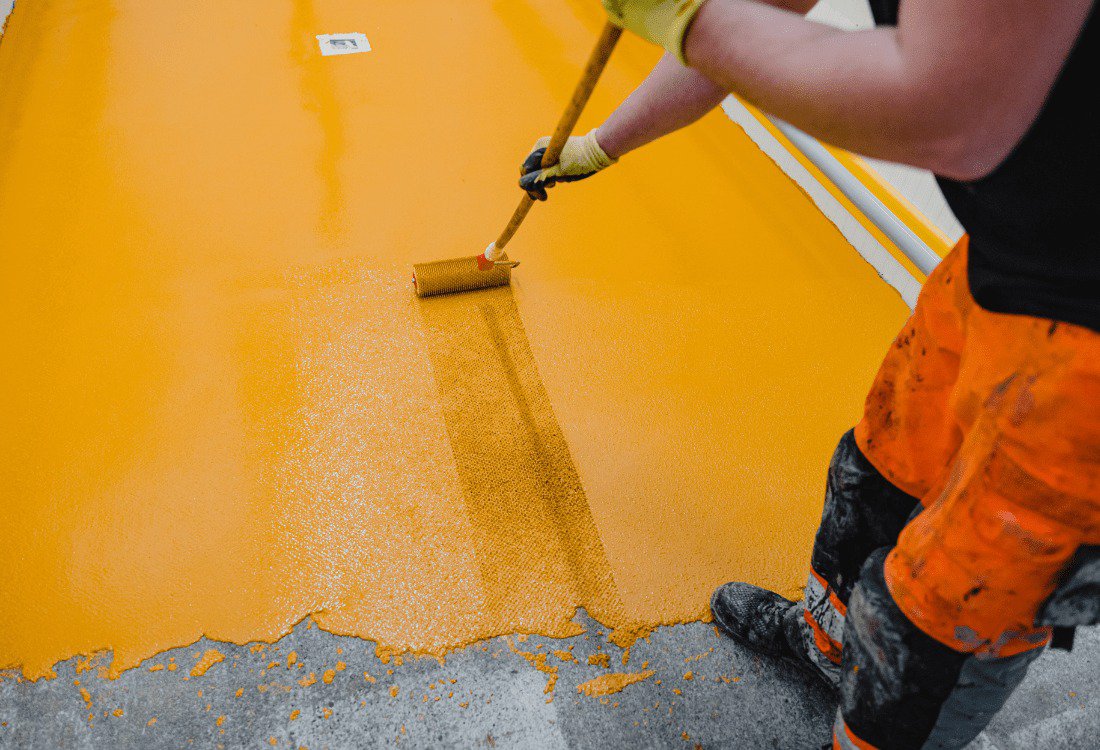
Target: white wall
[[917, 185]]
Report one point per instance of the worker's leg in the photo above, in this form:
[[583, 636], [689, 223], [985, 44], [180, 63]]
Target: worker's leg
[[863, 512], [903, 688], [941, 628], [896, 454]]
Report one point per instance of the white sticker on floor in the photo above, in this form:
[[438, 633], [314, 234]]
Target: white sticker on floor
[[343, 44]]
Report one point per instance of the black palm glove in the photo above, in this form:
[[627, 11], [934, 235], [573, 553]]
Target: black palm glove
[[582, 157]]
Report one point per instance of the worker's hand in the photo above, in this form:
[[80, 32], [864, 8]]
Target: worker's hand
[[582, 157], [663, 22]]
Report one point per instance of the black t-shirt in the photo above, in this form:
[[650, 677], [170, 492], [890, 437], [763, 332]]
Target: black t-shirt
[[1034, 223]]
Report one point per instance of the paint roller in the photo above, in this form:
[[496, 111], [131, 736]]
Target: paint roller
[[493, 267]]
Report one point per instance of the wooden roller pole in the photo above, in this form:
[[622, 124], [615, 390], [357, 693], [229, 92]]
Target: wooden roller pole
[[597, 61]]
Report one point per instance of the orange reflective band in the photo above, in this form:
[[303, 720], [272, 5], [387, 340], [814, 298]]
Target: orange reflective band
[[845, 739], [856, 741], [824, 642]]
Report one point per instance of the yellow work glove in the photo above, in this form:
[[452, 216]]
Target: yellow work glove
[[582, 157], [663, 22]]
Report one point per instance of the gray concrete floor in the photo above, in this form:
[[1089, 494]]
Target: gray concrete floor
[[488, 696]]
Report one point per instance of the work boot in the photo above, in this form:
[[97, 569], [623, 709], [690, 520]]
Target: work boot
[[765, 622], [754, 616]]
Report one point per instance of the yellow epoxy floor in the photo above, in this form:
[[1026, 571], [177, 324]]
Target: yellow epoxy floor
[[223, 409]]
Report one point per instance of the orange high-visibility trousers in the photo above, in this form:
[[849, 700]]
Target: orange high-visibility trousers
[[987, 426], [993, 422]]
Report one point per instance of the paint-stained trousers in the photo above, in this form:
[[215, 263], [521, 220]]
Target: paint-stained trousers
[[961, 520]]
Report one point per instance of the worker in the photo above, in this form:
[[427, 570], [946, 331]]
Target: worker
[[962, 514]]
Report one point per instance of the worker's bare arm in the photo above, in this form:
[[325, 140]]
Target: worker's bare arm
[[953, 88], [673, 96]]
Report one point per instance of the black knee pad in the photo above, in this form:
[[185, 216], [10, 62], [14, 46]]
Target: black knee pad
[[896, 678], [902, 689], [863, 511]]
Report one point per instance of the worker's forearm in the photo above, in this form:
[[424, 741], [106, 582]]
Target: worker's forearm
[[672, 97], [851, 89]]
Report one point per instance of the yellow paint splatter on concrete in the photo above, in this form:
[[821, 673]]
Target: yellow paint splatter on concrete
[[689, 675], [291, 659], [86, 696], [367, 677], [394, 690], [156, 667], [184, 346], [341, 666], [220, 720], [600, 660], [239, 693], [209, 658], [538, 661], [328, 676], [295, 714], [151, 722], [607, 684], [117, 713], [326, 713], [307, 681], [697, 657]]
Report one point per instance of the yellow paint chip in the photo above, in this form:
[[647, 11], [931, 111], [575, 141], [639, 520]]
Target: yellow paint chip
[[607, 684], [600, 660], [209, 658]]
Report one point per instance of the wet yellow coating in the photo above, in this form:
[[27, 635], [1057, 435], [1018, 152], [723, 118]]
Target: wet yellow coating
[[223, 408], [607, 684]]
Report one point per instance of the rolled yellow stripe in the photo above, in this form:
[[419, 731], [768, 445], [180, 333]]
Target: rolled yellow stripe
[[457, 275]]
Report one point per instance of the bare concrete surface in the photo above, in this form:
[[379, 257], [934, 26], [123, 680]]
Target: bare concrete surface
[[486, 695]]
